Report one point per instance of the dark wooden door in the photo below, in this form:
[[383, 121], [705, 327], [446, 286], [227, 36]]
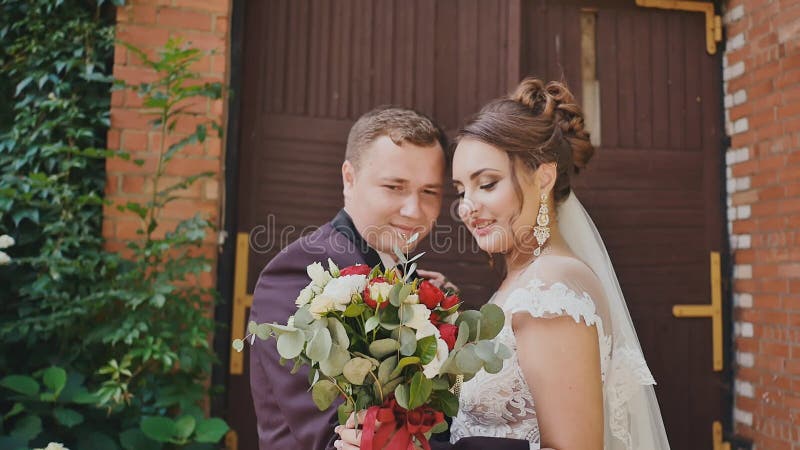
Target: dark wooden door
[[310, 68]]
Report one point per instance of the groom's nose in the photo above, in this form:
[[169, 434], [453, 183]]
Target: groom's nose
[[411, 207]]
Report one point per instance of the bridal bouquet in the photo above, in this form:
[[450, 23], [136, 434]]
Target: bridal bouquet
[[388, 343]]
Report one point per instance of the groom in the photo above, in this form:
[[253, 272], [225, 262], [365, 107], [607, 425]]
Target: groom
[[393, 180]]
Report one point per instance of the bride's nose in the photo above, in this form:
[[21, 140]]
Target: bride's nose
[[466, 208]]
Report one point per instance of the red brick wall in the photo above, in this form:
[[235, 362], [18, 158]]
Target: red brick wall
[[762, 99], [148, 24]]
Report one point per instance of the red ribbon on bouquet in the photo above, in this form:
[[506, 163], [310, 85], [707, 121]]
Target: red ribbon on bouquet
[[398, 426]]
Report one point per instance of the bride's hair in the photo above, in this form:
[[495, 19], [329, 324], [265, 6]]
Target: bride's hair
[[539, 123]]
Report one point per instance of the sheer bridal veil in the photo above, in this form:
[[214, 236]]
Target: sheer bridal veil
[[633, 418]]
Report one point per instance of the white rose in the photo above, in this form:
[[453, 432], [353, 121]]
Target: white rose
[[6, 241], [290, 322], [333, 269], [412, 299], [431, 370], [420, 317], [305, 296], [319, 277], [427, 330], [341, 289], [320, 305], [4, 259], [380, 290]]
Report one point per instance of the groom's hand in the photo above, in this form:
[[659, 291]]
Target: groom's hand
[[437, 279]]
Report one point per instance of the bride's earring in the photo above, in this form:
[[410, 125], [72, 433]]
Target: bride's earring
[[542, 230]]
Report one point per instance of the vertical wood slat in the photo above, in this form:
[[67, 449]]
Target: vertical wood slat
[[625, 82], [571, 61], [658, 83], [607, 74], [446, 64], [554, 40], [403, 47], [315, 63], [467, 57], [279, 22], [643, 82], [382, 51], [363, 75], [424, 64], [298, 57], [487, 56], [676, 58], [693, 120]]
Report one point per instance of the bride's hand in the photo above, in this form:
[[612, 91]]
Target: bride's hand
[[349, 435], [437, 279]]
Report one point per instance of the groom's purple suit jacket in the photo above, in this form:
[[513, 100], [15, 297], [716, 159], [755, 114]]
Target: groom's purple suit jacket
[[287, 417]]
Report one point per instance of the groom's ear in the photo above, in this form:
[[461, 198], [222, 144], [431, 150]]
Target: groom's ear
[[348, 177], [546, 177]]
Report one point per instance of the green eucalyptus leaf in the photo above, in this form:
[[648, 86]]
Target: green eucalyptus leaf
[[338, 332], [252, 327], [291, 344], [467, 361], [372, 323], [392, 384], [401, 394], [463, 335], [485, 350], [356, 370], [394, 295], [324, 392], [386, 368], [383, 347], [493, 365], [354, 309], [408, 341], [333, 365], [492, 320], [319, 347]]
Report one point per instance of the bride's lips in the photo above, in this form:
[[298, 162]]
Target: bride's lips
[[403, 230], [481, 227]]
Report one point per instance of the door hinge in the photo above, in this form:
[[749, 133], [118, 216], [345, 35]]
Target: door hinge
[[713, 21]]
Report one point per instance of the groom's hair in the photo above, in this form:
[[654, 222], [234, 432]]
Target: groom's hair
[[399, 124]]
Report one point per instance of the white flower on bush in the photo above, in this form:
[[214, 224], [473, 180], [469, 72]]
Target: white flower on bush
[[6, 241], [431, 370], [53, 446], [4, 259], [319, 276], [341, 289]]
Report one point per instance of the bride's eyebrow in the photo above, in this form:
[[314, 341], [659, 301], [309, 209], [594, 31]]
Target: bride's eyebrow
[[480, 172]]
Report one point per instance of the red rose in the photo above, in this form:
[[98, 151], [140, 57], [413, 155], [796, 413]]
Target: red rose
[[429, 294], [449, 334], [358, 269], [435, 319], [373, 303], [450, 301]]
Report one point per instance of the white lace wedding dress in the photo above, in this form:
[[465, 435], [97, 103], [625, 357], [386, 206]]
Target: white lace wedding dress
[[501, 404]]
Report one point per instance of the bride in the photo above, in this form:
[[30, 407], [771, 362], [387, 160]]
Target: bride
[[577, 379]]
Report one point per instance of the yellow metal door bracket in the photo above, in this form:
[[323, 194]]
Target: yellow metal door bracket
[[713, 311], [713, 21], [241, 299]]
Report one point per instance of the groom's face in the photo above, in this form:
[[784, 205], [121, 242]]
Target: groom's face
[[395, 191]]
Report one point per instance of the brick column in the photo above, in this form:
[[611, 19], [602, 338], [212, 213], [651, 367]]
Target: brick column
[[762, 110], [148, 24]]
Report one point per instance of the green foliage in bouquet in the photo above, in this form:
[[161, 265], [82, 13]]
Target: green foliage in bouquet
[[131, 334], [370, 337]]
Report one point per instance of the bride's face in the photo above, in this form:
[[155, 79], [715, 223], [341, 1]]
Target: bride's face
[[490, 204]]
